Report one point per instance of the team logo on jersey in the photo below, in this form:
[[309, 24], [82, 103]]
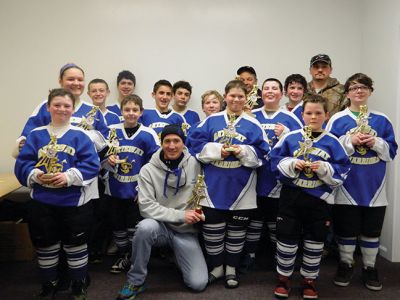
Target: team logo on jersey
[[126, 166], [48, 157]]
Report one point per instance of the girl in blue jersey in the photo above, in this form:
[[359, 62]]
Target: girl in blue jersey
[[360, 204], [60, 165], [276, 122], [230, 177], [86, 116], [131, 146], [310, 163]]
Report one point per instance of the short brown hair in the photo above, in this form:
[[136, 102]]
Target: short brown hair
[[315, 98], [132, 98]]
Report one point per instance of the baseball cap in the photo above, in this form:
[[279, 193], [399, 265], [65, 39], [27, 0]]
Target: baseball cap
[[320, 58]]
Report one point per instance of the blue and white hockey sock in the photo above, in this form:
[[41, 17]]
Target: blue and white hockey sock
[[214, 242], [272, 232], [48, 261], [121, 238], [253, 236], [347, 246], [369, 249], [285, 257], [235, 237], [312, 253], [77, 258]]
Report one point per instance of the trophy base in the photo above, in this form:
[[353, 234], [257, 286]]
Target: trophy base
[[120, 161], [230, 149], [47, 176]]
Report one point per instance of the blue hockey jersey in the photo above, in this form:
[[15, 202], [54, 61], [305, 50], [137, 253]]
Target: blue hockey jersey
[[72, 152], [267, 185], [115, 108], [135, 151], [326, 148], [154, 119], [365, 184], [111, 118], [231, 182]]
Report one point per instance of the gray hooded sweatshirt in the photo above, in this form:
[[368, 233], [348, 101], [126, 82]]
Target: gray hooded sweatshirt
[[163, 193]]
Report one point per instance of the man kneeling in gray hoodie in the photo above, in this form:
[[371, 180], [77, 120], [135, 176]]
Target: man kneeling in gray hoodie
[[165, 186]]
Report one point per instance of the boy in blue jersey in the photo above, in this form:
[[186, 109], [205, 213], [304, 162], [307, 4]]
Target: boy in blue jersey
[[162, 115], [310, 163], [230, 177], [295, 87], [182, 91], [276, 122], [126, 83], [131, 146], [360, 204], [60, 165], [98, 92]]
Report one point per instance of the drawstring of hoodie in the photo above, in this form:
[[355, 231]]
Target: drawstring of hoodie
[[177, 172]]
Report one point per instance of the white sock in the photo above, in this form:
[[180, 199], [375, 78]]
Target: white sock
[[218, 272]]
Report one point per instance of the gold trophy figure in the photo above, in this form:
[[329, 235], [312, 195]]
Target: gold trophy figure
[[113, 146], [229, 134], [362, 127], [48, 158], [88, 120], [198, 194], [306, 148], [252, 97]]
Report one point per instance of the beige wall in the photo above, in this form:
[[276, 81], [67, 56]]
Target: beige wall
[[203, 42]]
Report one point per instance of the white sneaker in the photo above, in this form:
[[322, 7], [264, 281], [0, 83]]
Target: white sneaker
[[122, 264]]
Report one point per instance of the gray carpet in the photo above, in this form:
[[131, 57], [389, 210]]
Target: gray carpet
[[19, 280]]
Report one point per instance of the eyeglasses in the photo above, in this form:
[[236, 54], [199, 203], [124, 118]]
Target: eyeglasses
[[355, 88]]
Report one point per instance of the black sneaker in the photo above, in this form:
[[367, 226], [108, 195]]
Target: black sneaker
[[344, 274], [48, 290], [371, 279], [122, 264], [246, 263], [95, 258], [79, 289]]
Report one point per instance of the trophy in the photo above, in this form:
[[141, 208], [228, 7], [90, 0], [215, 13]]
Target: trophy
[[198, 194], [87, 121], [229, 134], [362, 120], [252, 97], [113, 146], [362, 127], [48, 158], [306, 148]]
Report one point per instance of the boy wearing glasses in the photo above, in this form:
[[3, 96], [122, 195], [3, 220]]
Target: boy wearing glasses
[[360, 203]]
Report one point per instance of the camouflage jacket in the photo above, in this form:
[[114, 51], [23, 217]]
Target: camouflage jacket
[[334, 92]]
